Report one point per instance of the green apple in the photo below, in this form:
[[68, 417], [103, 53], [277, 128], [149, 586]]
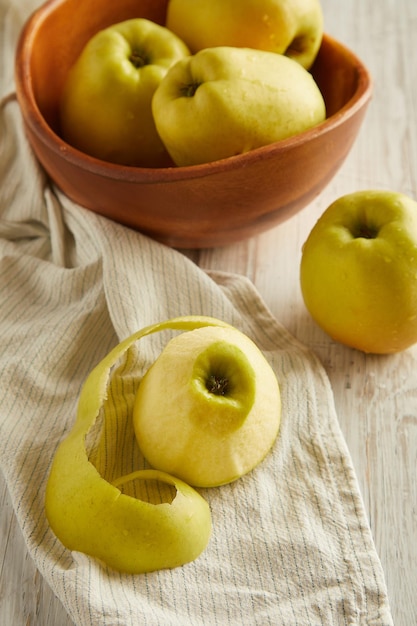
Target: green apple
[[359, 271], [208, 410], [226, 101], [105, 108], [290, 27]]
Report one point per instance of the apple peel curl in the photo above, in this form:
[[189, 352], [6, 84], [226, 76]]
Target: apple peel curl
[[91, 515]]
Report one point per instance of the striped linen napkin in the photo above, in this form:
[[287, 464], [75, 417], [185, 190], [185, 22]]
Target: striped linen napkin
[[291, 544]]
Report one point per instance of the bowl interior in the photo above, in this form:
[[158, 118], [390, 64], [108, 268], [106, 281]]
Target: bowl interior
[[60, 29]]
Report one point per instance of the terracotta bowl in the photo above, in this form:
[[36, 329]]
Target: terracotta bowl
[[200, 206]]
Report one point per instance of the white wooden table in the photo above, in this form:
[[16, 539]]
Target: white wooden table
[[376, 397]]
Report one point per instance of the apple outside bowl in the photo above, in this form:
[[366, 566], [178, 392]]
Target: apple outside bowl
[[199, 206]]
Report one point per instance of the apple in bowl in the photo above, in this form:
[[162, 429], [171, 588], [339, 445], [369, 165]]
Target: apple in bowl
[[226, 101], [105, 108], [290, 27]]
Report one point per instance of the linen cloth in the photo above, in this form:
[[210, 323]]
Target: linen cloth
[[291, 544]]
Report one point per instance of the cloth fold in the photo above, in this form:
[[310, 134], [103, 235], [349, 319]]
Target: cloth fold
[[291, 543]]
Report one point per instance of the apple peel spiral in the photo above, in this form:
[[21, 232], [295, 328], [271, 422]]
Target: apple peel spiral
[[91, 515]]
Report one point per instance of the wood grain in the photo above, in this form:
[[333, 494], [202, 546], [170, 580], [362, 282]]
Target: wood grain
[[375, 397]]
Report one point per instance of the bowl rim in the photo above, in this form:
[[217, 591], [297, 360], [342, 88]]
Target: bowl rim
[[40, 127]]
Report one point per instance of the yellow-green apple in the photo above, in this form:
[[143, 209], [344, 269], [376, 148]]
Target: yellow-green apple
[[290, 27], [225, 101], [208, 409], [359, 271], [106, 103]]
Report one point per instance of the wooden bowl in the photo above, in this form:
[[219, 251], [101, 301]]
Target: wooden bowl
[[200, 206]]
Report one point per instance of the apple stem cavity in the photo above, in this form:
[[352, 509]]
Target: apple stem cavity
[[138, 59], [365, 231], [218, 385], [297, 47], [189, 89]]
